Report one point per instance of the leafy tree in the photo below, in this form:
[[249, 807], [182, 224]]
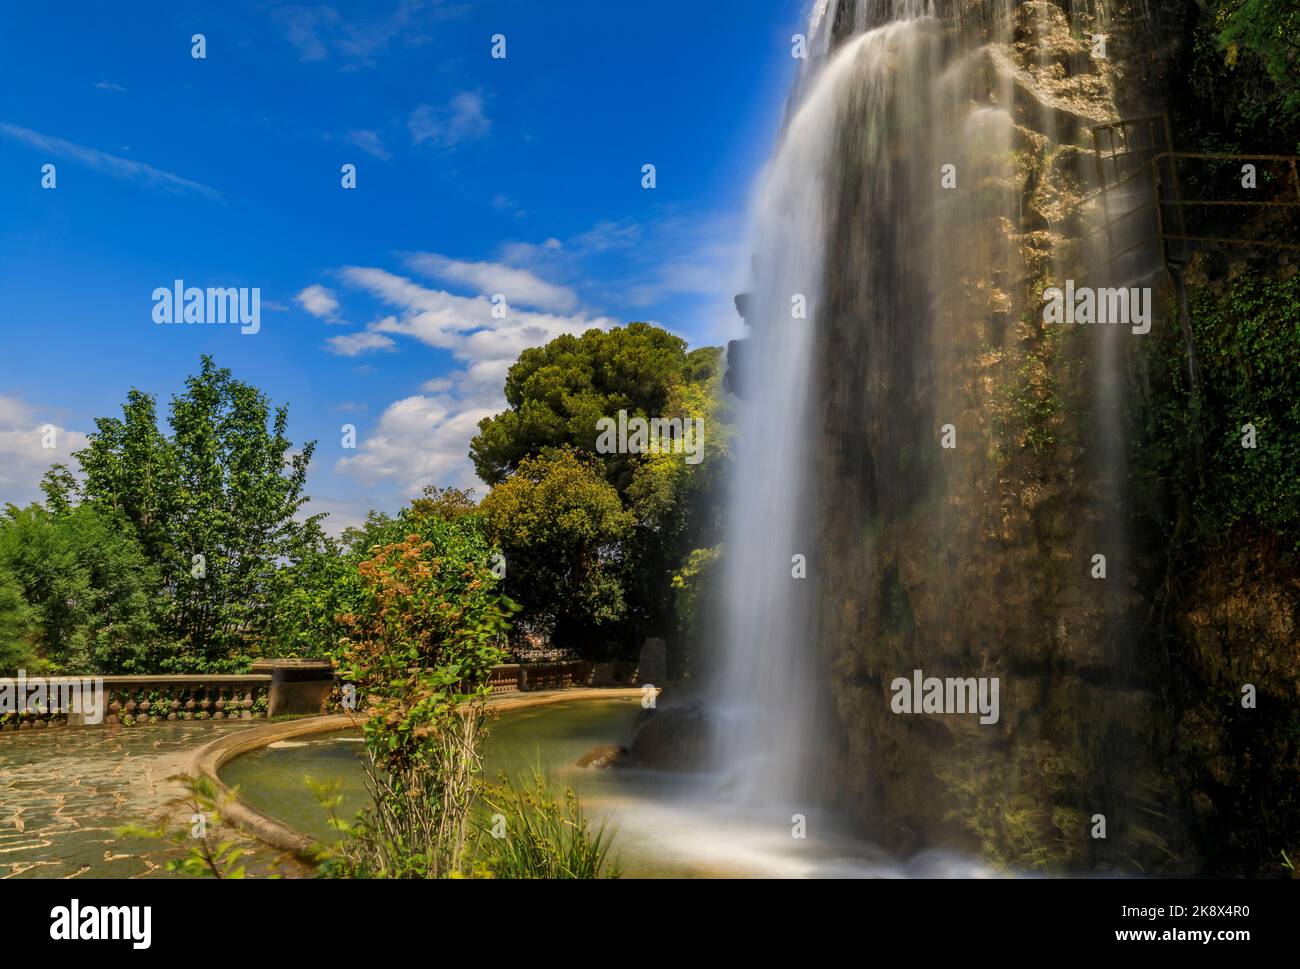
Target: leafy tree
[[19, 642], [1270, 30], [212, 505], [692, 584], [448, 503], [1241, 89], [560, 523], [557, 393], [324, 582], [77, 589]]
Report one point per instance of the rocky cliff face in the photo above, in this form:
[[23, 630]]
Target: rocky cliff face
[[977, 560]]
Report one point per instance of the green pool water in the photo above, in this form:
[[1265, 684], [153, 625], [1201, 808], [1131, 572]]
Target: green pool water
[[553, 736], [663, 824]]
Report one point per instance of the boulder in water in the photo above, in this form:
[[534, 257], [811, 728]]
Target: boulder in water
[[676, 738], [604, 756]]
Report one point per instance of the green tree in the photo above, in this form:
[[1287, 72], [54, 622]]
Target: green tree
[[323, 582], [75, 587], [19, 642], [213, 506], [1269, 30], [560, 524], [557, 393]]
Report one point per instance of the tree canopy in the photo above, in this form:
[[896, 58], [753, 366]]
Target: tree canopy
[[598, 575]]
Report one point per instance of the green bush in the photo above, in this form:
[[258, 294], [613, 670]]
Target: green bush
[[419, 648]]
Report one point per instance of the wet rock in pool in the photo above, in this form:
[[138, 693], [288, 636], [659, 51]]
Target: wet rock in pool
[[604, 756], [675, 738]]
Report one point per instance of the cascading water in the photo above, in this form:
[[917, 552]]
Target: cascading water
[[918, 445], [867, 102], [771, 673]]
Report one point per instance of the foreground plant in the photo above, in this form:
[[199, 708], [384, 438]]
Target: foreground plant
[[528, 831], [420, 651]]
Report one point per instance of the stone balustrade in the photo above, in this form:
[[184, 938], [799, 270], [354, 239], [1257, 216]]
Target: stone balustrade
[[155, 699], [504, 678], [554, 676], [130, 700], [275, 688]]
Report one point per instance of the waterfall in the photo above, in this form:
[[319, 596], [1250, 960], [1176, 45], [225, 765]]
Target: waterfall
[[931, 178], [770, 671]]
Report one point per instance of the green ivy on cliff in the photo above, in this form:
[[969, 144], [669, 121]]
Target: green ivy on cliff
[[1247, 335]]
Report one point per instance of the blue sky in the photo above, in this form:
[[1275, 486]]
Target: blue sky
[[475, 176]]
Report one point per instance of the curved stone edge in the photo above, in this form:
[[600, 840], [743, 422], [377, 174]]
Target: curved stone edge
[[207, 761]]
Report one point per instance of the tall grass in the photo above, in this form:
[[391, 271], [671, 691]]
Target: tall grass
[[529, 831]]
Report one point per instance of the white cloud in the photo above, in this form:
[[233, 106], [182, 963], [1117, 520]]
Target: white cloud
[[504, 203], [424, 439], [319, 302], [109, 86], [123, 168], [519, 286], [420, 440], [370, 143], [23, 459], [459, 122], [355, 344]]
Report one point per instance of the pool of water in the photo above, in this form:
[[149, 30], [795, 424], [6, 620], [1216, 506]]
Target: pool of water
[[664, 824], [277, 780]]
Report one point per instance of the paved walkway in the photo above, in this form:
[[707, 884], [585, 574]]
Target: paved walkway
[[65, 791]]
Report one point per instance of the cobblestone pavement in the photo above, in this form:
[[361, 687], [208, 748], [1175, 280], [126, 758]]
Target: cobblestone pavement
[[65, 791]]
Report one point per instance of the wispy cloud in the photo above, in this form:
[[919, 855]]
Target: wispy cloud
[[355, 344], [320, 32], [424, 438], [109, 86], [123, 168], [370, 143], [504, 203], [460, 121], [519, 286], [667, 256]]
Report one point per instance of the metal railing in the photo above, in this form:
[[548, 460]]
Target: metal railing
[[1137, 154]]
